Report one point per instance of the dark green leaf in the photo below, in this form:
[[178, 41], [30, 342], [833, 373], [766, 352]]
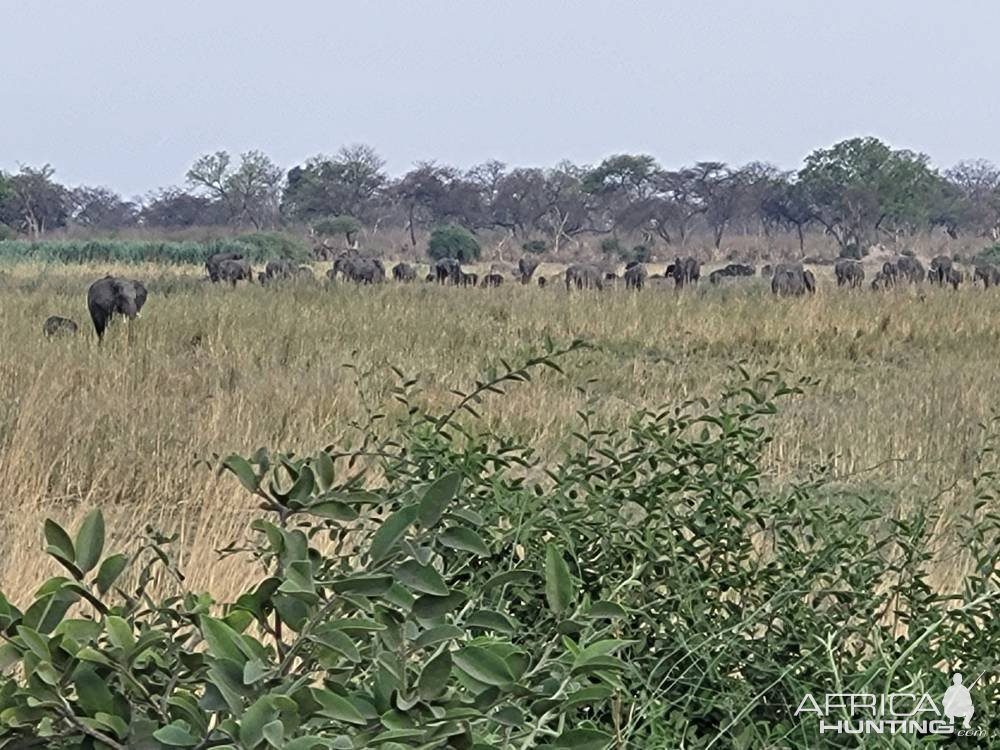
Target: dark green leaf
[[558, 585], [436, 498], [90, 541], [421, 578], [459, 537], [243, 471], [391, 531], [483, 665], [433, 679]]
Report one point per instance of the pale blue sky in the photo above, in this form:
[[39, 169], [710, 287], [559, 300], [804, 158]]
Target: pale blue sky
[[127, 94]]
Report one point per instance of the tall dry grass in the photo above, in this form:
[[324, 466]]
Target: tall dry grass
[[904, 380]]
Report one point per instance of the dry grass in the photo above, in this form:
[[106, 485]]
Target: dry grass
[[905, 380]]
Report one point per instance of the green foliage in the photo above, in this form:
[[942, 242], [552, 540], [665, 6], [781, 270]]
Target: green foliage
[[853, 251], [535, 247], [7, 232], [336, 226], [257, 247], [990, 254], [452, 241], [640, 253], [429, 586]]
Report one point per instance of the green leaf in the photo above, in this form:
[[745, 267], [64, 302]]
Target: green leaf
[[364, 585], [584, 739], [391, 531], [436, 635], [36, 644], [59, 541], [92, 691], [431, 607], [81, 631], [335, 510], [421, 578], [558, 585], [336, 707], [436, 498], [110, 569], [223, 642], [324, 470], [606, 610], [513, 577], [599, 649], [433, 679], [467, 540], [175, 735], [339, 642], [274, 733], [487, 619], [120, 633], [243, 471], [90, 541], [484, 665], [253, 720]]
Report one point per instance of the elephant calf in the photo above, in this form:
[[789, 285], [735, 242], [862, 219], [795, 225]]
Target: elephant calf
[[491, 280], [849, 273], [114, 295], [635, 276], [791, 279], [56, 325], [404, 273], [235, 270]]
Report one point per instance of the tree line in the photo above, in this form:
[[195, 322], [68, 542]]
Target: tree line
[[858, 191]]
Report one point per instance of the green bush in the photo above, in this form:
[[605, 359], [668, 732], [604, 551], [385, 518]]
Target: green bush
[[453, 241], [853, 252], [6, 232], [268, 245], [432, 587], [640, 253], [535, 247], [611, 246], [336, 226], [990, 254]]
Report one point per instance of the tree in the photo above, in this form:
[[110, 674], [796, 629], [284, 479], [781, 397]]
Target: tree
[[347, 184], [339, 225], [453, 241], [249, 192], [860, 187], [787, 203], [102, 208], [33, 202], [175, 208], [970, 197]]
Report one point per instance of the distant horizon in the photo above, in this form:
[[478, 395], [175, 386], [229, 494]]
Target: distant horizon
[[124, 96]]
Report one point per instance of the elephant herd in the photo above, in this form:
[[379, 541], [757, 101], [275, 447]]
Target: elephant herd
[[119, 296]]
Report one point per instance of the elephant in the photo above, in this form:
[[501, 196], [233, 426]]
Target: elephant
[[280, 268], [491, 280], [685, 271], [791, 279], [234, 270], [910, 270], [448, 270], [988, 274], [583, 276], [941, 267], [635, 276], [468, 279], [114, 295], [56, 325], [526, 267], [955, 278], [732, 270], [357, 268], [404, 272], [214, 261], [849, 273]]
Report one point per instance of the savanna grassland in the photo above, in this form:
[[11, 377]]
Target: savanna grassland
[[902, 382]]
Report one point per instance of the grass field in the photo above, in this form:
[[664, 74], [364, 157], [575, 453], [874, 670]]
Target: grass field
[[904, 381]]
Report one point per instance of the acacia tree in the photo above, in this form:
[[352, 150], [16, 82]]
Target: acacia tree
[[249, 191], [970, 197], [102, 208]]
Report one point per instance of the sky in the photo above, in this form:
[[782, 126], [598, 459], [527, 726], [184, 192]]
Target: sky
[[127, 94]]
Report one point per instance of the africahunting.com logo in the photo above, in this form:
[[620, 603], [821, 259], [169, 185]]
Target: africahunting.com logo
[[896, 713]]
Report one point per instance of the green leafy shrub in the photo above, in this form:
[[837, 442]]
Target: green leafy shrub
[[6, 232], [268, 245], [453, 241], [433, 586], [990, 254], [853, 251], [611, 246], [535, 247], [335, 226]]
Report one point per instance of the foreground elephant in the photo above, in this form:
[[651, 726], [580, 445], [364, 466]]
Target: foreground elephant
[[359, 269], [56, 325], [234, 270], [684, 271], [491, 280], [941, 268], [583, 276], [114, 295], [468, 279], [280, 268], [988, 274], [635, 276], [448, 270], [791, 279], [733, 270], [849, 273], [404, 272], [910, 270], [526, 267], [214, 261]]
